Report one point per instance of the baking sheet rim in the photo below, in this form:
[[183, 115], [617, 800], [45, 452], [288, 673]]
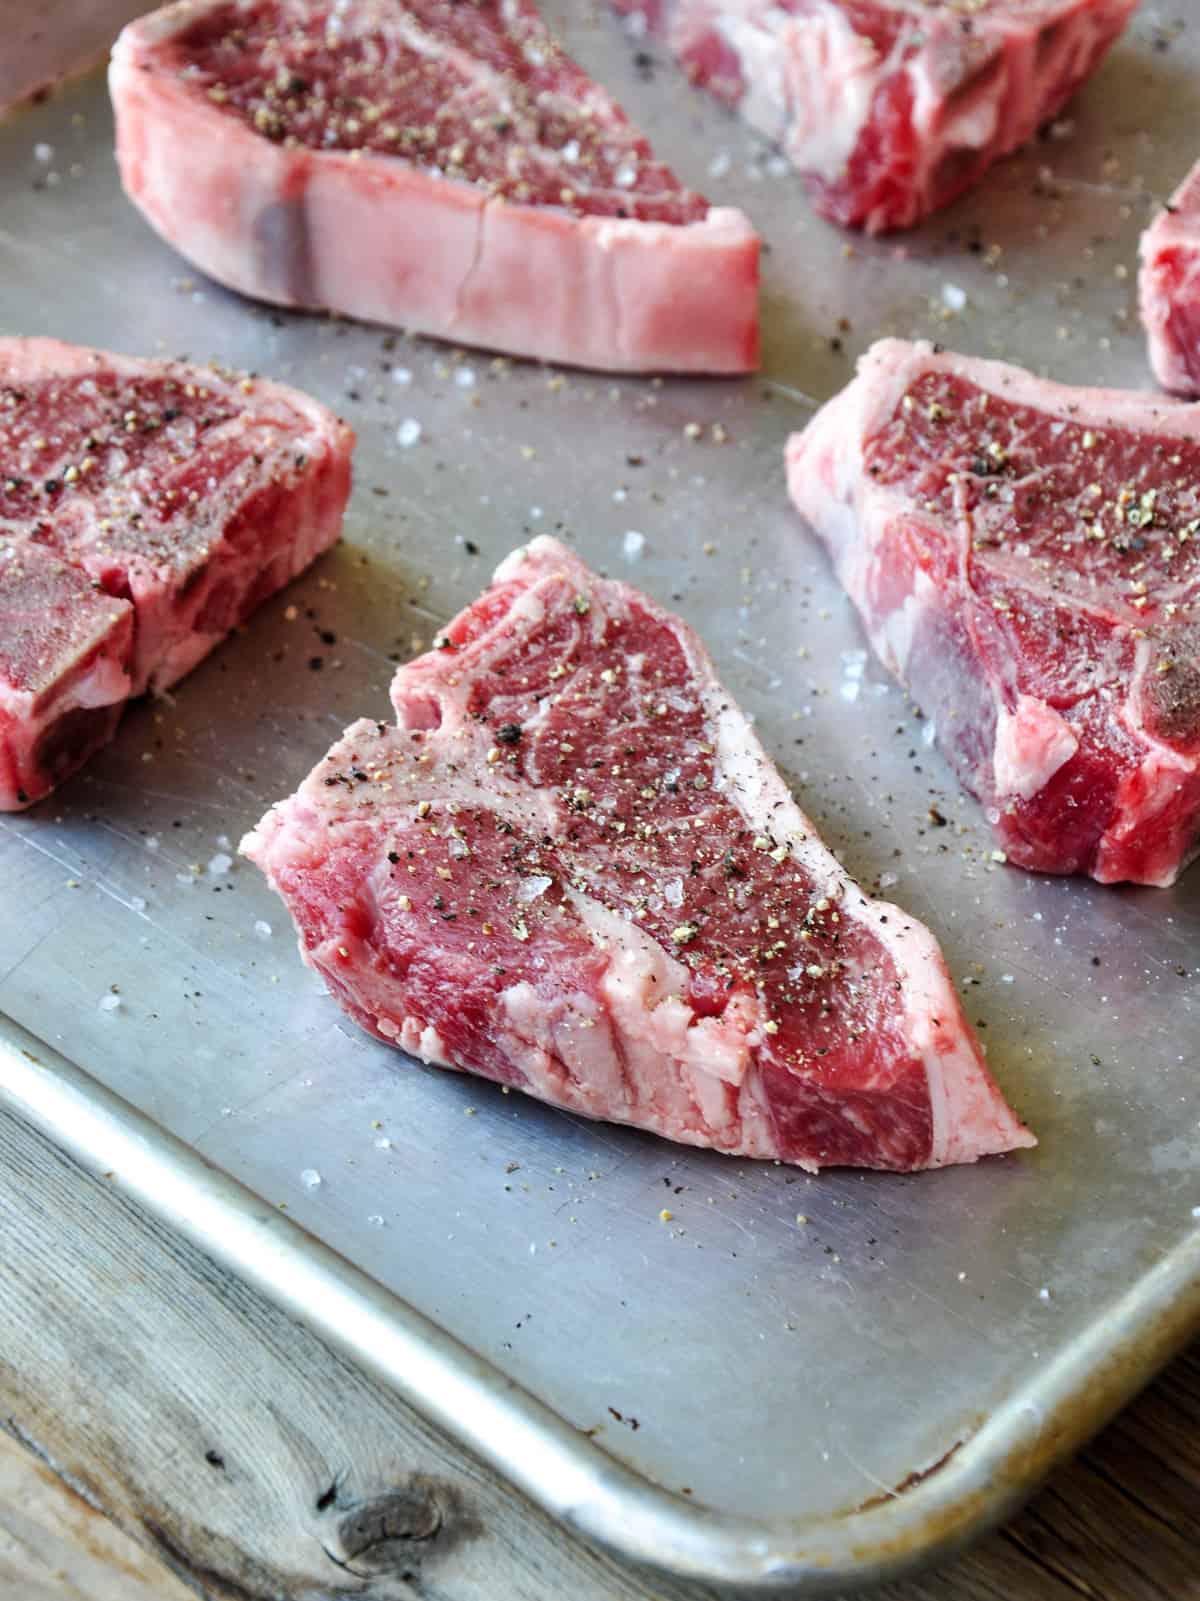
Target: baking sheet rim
[[982, 1479]]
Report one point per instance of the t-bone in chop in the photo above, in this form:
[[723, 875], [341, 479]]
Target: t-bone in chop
[[1025, 559], [889, 108], [1169, 289], [440, 166], [146, 508], [571, 867]]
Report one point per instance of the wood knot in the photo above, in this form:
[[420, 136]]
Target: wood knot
[[393, 1531], [406, 1515]]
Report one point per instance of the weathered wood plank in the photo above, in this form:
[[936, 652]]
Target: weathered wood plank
[[54, 1547], [254, 1463]]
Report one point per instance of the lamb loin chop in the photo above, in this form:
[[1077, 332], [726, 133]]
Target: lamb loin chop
[[571, 867], [146, 508], [442, 167], [1023, 557], [889, 109]]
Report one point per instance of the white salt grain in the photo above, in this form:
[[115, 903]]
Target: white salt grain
[[633, 544], [110, 1003], [220, 864], [529, 889], [408, 432], [383, 1143], [43, 153], [954, 298], [465, 377], [375, 1221], [263, 929], [310, 1178], [401, 375]]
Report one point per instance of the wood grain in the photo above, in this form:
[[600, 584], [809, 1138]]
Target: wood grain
[[252, 1463]]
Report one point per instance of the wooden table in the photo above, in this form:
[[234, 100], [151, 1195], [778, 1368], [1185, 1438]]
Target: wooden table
[[142, 1385]]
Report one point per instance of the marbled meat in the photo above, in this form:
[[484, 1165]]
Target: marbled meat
[[571, 867]]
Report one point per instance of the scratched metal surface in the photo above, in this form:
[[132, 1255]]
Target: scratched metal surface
[[771, 1366]]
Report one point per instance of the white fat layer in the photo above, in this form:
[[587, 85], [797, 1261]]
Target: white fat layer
[[1156, 782], [420, 1040], [833, 77], [761, 55], [1032, 742], [645, 989]]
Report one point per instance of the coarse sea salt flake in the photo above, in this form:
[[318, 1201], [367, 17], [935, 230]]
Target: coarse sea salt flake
[[408, 432], [633, 544], [310, 1178]]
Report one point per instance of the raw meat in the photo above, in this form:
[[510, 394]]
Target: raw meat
[[146, 508], [570, 867], [1169, 289], [889, 109], [1023, 555], [440, 166]]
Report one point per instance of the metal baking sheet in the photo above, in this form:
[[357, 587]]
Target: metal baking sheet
[[846, 1393]]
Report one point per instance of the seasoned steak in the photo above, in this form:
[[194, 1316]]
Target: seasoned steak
[[1024, 558], [440, 166], [889, 109], [146, 508], [571, 867]]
